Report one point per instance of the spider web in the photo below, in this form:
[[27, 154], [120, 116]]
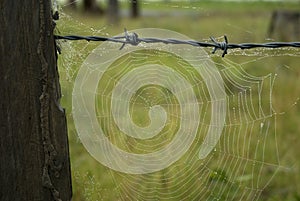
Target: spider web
[[245, 159]]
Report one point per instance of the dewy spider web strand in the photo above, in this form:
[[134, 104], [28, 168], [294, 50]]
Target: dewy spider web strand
[[133, 39]]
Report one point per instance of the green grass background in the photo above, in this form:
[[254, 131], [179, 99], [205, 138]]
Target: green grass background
[[241, 22]]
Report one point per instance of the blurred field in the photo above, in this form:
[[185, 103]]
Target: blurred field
[[241, 22]]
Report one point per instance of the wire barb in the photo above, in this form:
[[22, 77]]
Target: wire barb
[[220, 45], [133, 39]]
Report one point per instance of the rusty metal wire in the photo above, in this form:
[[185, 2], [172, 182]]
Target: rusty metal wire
[[134, 39]]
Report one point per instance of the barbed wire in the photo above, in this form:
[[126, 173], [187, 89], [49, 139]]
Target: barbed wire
[[134, 39]]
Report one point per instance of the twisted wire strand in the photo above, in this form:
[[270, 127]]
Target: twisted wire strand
[[133, 39]]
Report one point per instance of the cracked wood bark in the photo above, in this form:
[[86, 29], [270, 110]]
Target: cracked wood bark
[[34, 161]]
